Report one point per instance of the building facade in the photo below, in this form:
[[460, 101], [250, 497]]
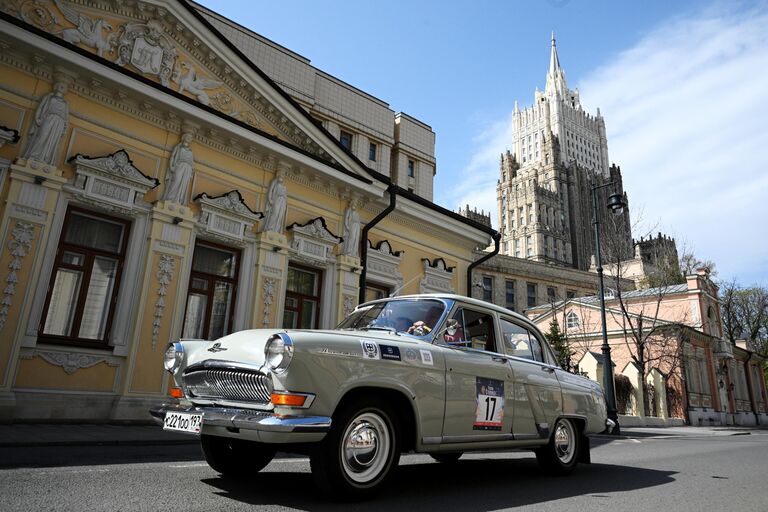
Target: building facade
[[156, 183], [560, 152], [691, 373]]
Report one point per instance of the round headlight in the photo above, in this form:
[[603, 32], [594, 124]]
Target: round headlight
[[174, 355], [278, 352]]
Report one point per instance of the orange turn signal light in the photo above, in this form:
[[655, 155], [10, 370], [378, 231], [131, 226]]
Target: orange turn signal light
[[288, 399], [176, 393]]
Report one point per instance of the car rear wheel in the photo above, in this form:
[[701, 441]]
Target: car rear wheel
[[235, 457], [447, 458], [560, 455], [359, 453]]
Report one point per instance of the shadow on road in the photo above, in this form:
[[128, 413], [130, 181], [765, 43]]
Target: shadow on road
[[59, 456], [467, 485]]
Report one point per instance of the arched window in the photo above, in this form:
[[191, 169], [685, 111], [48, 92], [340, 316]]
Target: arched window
[[572, 321]]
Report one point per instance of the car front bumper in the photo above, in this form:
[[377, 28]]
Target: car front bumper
[[256, 425]]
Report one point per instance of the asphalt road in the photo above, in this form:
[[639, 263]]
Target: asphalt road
[[673, 473]]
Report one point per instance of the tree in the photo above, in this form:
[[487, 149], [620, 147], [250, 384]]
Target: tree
[[557, 340], [744, 313], [689, 264]]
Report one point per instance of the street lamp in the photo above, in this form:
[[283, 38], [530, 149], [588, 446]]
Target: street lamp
[[616, 205]]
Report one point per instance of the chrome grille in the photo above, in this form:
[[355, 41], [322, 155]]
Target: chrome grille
[[227, 383]]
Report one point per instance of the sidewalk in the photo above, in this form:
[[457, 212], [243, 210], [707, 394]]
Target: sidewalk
[[662, 432], [34, 434]]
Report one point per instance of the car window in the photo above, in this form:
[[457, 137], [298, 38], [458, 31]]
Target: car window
[[408, 316], [519, 341], [473, 330]]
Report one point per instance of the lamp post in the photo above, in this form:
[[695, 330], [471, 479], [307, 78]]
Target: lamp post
[[616, 205]]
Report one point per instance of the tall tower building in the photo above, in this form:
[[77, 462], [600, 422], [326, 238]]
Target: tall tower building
[[560, 152]]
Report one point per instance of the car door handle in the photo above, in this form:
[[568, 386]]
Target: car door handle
[[500, 359], [549, 369]]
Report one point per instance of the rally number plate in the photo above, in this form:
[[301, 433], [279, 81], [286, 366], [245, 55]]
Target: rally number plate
[[183, 422]]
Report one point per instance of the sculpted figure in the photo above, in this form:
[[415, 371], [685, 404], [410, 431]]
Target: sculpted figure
[[179, 171], [48, 126], [351, 232], [277, 202]]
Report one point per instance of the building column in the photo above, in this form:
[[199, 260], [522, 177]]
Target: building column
[[33, 193], [270, 279], [347, 284], [161, 309]]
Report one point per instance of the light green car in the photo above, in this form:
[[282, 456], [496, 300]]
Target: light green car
[[437, 374]]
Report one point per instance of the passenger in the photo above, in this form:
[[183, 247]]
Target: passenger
[[403, 323], [457, 338]]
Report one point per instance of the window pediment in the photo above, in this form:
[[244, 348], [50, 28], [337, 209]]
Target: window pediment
[[111, 180], [438, 277], [313, 241], [226, 216]]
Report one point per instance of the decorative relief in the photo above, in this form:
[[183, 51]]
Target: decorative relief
[[155, 47], [110, 181], [351, 244], [144, 46], [438, 277], [164, 276], [277, 204], [19, 245], [48, 126], [94, 33], [313, 241], [269, 297], [71, 362], [180, 168], [226, 216], [349, 305]]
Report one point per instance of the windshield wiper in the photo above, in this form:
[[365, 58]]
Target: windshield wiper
[[379, 328]]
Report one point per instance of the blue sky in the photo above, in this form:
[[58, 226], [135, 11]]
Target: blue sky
[[683, 87]]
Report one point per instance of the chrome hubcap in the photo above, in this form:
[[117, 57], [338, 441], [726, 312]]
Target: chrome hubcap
[[366, 444], [565, 442]]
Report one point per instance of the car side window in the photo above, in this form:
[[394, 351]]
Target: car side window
[[519, 341], [478, 330]]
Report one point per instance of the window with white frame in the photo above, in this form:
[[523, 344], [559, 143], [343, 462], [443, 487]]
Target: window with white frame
[[85, 280], [572, 320], [211, 294]]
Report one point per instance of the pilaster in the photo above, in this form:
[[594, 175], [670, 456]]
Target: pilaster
[[269, 279], [347, 284], [33, 192]]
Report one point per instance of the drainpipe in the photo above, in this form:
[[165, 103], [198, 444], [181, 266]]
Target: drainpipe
[[364, 240], [496, 238]]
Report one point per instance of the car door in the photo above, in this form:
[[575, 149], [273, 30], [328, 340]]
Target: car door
[[537, 397], [477, 380]]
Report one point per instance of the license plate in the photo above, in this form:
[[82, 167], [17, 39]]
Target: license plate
[[183, 422]]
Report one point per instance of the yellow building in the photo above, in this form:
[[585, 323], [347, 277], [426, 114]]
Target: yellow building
[[157, 184]]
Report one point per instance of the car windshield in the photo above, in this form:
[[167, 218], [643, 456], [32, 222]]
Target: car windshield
[[409, 316]]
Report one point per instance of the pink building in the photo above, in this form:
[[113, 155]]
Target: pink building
[[671, 339]]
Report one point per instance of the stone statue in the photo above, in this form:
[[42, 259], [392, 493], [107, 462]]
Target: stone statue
[[277, 202], [351, 241], [179, 171], [48, 126]]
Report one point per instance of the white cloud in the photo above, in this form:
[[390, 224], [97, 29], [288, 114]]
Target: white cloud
[[686, 111]]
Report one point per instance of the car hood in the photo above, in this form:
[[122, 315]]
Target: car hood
[[247, 347]]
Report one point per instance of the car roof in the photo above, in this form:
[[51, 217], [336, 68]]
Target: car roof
[[464, 299]]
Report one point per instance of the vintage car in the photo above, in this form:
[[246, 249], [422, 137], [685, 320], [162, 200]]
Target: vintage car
[[437, 374]]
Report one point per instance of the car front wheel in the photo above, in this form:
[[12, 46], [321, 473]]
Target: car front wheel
[[235, 457], [357, 456], [560, 455]]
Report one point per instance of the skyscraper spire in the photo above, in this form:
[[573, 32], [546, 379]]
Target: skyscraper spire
[[554, 62], [555, 75]]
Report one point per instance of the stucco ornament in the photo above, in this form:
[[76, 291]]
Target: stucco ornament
[[145, 47], [179, 171], [48, 126], [19, 245], [269, 297], [166, 267], [196, 85], [89, 32], [277, 203]]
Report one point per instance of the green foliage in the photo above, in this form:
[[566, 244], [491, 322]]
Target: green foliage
[[559, 344]]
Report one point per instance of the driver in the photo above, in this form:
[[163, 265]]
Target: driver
[[422, 327]]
